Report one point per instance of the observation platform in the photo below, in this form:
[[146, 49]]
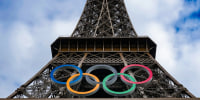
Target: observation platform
[[106, 44]]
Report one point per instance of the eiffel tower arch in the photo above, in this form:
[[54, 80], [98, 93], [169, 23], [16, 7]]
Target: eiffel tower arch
[[104, 36]]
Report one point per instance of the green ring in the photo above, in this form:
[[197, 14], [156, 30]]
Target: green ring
[[115, 92]]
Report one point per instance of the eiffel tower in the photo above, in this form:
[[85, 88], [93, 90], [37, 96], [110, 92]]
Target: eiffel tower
[[104, 36]]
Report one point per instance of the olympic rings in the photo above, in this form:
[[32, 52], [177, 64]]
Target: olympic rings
[[113, 80], [115, 93], [108, 80], [129, 67], [72, 82], [90, 92]]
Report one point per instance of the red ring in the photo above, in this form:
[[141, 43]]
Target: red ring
[[148, 79]]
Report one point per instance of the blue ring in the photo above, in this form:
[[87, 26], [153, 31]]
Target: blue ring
[[59, 82]]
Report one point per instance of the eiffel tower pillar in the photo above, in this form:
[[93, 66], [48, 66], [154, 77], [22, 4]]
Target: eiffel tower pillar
[[104, 36]]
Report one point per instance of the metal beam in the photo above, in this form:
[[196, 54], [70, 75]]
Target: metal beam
[[82, 60]]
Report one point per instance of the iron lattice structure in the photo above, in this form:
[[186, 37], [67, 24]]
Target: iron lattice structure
[[103, 35], [104, 18]]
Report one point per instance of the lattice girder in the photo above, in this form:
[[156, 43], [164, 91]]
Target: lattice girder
[[104, 18]]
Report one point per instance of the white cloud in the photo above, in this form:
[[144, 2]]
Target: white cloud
[[188, 64], [21, 41], [63, 28], [157, 27], [30, 36], [40, 23], [176, 52], [25, 50], [165, 49], [6, 86]]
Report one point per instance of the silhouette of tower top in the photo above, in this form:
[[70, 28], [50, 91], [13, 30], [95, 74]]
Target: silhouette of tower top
[[104, 18]]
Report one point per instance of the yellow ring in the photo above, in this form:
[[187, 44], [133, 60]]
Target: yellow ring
[[87, 92]]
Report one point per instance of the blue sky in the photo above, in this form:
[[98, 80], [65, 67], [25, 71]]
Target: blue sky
[[28, 27]]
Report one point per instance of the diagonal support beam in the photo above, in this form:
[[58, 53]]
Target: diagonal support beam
[[82, 60], [125, 64], [130, 72]]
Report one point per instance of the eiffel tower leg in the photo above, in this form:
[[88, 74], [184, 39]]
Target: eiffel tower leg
[[41, 86], [182, 89], [21, 91], [162, 84]]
